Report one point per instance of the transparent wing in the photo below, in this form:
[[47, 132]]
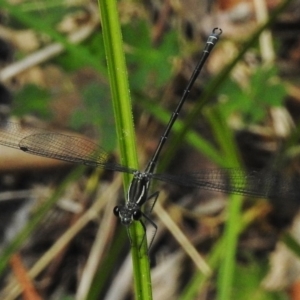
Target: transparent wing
[[73, 149], [12, 133], [253, 183]]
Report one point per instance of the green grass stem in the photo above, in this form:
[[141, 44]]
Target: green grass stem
[[125, 131], [230, 155]]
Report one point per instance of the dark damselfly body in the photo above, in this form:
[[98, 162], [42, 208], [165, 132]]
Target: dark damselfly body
[[79, 150]]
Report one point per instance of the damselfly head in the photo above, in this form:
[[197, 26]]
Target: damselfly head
[[127, 215]]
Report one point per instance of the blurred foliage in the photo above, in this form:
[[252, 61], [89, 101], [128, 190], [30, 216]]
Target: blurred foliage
[[67, 298], [34, 100], [262, 91], [94, 45], [97, 111], [50, 12], [149, 67], [247, 282]]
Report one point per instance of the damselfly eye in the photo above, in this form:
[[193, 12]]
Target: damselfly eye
[[117, 211], [136, 215]]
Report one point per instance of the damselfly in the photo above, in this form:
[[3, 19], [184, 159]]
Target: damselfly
[[78, 150]]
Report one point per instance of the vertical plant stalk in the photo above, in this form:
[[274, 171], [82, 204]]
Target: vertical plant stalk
[[230, 154], [125, 131]]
